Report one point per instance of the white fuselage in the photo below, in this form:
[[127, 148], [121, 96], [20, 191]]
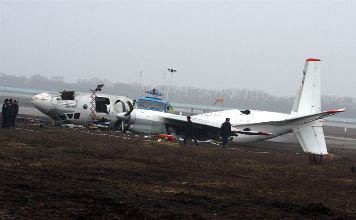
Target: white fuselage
[[147, 122], [242, 121], [79, 109], [153, 122]]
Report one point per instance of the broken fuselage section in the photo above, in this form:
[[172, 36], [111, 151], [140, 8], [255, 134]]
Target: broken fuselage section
[[81, 108]]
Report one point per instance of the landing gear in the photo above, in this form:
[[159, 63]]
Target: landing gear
[[316, 159], [120, 126], [117, 125]]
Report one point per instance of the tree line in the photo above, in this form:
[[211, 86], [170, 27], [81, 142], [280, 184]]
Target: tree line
[[233, 98]]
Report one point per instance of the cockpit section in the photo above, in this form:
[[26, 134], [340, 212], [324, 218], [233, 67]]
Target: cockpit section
[[67, 95], [65, 117]]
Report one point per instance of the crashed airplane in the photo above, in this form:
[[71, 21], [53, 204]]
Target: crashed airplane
[[248, 125], [152, 115], [82, 108]]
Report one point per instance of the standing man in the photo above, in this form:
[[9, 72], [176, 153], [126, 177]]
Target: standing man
[[189, 132], [4, 113], [15, 113], [9, 113], [225, 131]]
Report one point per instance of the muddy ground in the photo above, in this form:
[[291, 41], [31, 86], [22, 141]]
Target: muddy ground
[[51, 172]]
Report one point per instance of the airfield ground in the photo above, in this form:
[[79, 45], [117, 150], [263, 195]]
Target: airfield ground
[[51, 172]]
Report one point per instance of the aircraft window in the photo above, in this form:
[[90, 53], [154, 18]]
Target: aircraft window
[[85, 106], [101, 104], [62, 117], [70, 116], [151, 105], [246, 112], [76, 115], [67, 95]]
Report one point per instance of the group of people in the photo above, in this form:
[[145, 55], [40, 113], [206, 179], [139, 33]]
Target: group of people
[[225, 132], [10, 110]]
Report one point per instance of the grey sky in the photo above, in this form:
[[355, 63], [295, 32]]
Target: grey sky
[[251, 44]]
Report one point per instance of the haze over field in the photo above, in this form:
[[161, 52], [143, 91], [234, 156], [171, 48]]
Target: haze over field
[[233, 98], [247, 44]]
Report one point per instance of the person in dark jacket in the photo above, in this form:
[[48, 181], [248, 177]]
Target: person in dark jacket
[[225, 131], [15, 113], [3, 113], [189, 132], [9, 113]]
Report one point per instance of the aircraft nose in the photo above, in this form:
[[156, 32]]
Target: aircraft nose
[[36, 100], [40, 101]]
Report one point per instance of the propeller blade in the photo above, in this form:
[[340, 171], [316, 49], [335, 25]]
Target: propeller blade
[[124, 116], [131, 108], [123, 105]]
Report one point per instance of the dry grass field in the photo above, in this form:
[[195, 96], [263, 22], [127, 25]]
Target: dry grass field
[[58, 173]]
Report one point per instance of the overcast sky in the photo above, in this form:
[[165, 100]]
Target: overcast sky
[[243, 44]]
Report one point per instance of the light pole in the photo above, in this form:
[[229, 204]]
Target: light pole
[[171, 70]]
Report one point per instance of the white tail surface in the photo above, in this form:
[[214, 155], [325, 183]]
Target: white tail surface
[[307, 100], [310, 136]]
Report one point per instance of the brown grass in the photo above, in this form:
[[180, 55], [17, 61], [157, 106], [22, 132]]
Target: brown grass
[[59, 173]]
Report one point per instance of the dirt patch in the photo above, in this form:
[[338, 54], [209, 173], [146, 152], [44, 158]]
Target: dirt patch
[[57, 173]]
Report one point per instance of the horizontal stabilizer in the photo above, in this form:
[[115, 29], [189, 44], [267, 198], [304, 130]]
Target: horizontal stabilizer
[[296, 121], [313, 117], [311, 138]]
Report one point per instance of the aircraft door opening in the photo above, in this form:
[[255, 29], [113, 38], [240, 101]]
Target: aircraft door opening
[[102, 105]]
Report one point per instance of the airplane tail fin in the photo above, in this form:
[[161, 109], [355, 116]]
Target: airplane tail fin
[[307, 100], [311, 136]]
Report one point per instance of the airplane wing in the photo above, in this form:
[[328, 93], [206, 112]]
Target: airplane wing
[[296, 121], [209, 128]]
